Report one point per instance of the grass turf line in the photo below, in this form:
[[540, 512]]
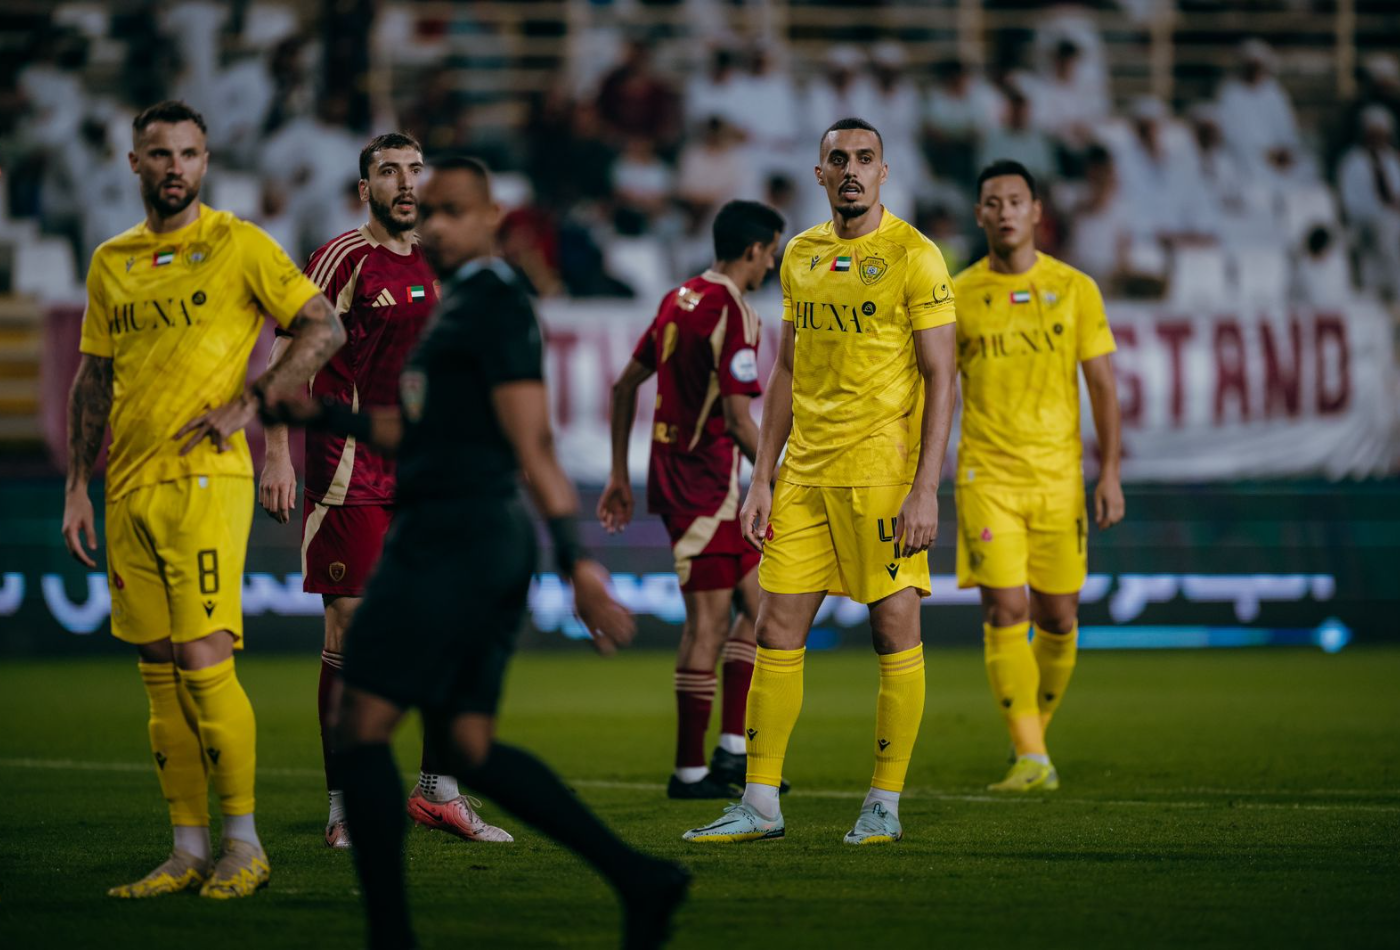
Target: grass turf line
[[1223, 798]]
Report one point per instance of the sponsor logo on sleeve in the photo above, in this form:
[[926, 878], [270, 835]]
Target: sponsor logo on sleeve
[[744, 365]]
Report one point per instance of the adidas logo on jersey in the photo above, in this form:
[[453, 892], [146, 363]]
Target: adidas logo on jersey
[[385, 299]]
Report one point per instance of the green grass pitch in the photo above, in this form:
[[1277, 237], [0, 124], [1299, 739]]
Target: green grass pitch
[[1216, 799]]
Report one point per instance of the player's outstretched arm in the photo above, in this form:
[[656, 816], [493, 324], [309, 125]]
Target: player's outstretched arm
[[89, 405], [277, 488], [934, 349], [615, 505], [522, 410], [773, 433], [1109, 505], [316, 334]]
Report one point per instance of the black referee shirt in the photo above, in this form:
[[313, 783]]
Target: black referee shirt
[[484, 333]]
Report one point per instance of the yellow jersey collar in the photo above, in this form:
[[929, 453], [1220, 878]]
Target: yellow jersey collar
[[171, 236]]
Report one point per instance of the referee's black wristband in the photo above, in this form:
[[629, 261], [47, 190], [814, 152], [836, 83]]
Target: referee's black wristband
[[340, 419], [563, 531]]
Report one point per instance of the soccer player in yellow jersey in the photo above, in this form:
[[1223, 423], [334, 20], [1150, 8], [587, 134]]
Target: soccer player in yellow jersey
[[862, 396], [1027, 323], [174, 307]]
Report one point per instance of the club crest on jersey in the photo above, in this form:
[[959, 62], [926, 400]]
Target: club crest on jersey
[[336, 571], [413, 393], [688, 298], [872, 269], [1020, 296], [197, 253]]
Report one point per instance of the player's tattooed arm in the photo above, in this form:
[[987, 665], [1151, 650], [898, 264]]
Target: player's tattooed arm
[[773, 431], [316, 334], [615, 504], [935, 352], [89, 406], [1109, 505]]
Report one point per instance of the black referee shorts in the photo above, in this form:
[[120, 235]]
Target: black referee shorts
[[444, 608]]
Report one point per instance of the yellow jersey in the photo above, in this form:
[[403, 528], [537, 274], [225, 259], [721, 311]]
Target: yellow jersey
[[857, 393], [1021, 338], [178, 314]]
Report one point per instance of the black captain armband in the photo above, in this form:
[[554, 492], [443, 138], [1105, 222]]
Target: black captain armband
[[568, 551], [340, 419]]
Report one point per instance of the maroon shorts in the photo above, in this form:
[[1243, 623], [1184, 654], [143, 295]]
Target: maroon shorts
[[340, 546], [710, 554]]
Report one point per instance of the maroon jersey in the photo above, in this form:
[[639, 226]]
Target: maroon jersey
[[703, 345], [384, 299]]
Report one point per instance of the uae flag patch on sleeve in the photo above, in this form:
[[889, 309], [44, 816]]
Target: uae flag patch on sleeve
[[1020, 296], [416, 293], [841, 264]]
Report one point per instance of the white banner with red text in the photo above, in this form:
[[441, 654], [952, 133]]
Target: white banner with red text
[[1205, 397]]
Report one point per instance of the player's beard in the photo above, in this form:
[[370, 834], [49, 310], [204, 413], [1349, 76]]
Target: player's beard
[[384, 214], [170, 207], [851, 211]]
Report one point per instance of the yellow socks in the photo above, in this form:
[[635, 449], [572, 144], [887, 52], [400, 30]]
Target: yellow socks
[[228, 733], [1015, 681], [898, 712], [1055, 655], [775, 700], [175, 745]]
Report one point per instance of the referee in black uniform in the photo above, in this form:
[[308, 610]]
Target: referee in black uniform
[[441, 614]]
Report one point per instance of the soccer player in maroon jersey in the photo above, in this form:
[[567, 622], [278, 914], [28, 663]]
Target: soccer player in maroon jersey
[[384, 291], [703, 348]]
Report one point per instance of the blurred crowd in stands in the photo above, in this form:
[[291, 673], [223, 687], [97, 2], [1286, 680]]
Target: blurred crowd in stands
[[613, 174]]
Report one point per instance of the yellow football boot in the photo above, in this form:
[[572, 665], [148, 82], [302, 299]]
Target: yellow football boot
[[240, 871], [181, 871], [1027, 775]]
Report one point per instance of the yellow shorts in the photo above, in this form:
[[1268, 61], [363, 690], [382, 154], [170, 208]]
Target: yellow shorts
[[175, 554], [1010, 537], [839, 540]]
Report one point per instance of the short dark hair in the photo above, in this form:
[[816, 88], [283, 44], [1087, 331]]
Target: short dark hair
[[740, 224], [851, 122], [380, 142], [1004, 166], [172, 111]]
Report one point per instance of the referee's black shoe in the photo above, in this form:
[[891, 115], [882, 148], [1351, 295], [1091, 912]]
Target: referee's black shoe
[[707, 787], [731, 767], [649, 899]]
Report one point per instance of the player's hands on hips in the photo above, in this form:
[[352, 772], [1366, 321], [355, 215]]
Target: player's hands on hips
[[277, 488], [78, 525], [615, 505], [753, 517], [917, 525], [608, 622], [219, 425], [1108, 502]]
